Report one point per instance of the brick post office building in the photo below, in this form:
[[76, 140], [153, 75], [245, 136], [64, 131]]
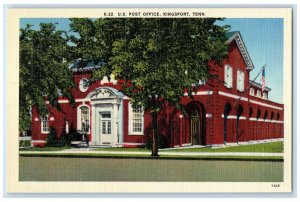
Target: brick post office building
[[220, 112]]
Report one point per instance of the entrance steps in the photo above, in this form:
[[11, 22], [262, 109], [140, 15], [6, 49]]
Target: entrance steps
[[84, 144], [100, 146]]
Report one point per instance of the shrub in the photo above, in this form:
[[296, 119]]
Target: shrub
[[161, 142], [24, 143], [66, 138], [148, 142], [51, 139]]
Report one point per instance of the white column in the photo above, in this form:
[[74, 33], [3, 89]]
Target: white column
[[93, 121], [115, 121]]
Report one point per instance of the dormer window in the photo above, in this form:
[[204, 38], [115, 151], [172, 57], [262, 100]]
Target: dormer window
[[258, 93], [228, 76], [251, 91]]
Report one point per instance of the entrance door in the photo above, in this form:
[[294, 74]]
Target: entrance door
[[195, 129], [197, 123], [105, 129]]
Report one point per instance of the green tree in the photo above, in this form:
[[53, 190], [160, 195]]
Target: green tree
[[44, 72], [157, 59]]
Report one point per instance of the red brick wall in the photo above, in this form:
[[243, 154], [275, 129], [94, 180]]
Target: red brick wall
[[170, 124]]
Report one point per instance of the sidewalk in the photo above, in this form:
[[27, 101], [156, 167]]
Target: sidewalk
[[166, 153]]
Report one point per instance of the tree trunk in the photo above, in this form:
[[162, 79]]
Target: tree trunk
[[155, 135]]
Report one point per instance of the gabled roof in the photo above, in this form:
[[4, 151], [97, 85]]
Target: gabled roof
[[241, 45], [230, 34]]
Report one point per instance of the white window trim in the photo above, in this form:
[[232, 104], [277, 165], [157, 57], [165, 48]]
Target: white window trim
[[130, 129], [80, 87], [226, 82], [240, 84], [42, 128], [265, 96], [79, 117], [259, 93], [253, 91]]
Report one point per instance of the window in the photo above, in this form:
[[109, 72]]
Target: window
[[136, 120], [240, 80], [252, 91], [45, 124], [228, 76], [258, 93], [83, 85], [83, 121], [265, 96]]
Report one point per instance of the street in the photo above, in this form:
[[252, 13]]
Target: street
[[129, 169]]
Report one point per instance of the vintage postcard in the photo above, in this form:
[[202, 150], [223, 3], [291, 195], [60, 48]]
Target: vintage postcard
[[149, 100]]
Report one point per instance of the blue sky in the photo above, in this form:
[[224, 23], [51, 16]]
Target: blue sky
[[263, 39]]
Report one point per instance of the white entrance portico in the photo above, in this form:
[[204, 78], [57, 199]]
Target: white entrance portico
[[107, 116]]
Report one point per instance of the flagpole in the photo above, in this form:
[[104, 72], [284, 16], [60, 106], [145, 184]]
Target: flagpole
[[237, 117], [250, 85]]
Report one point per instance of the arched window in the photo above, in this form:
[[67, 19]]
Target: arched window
[[239, 111], [250, 112], [265, 115], [278, 116], [258, 114], [227, 109], [83, 119], [272, 115]]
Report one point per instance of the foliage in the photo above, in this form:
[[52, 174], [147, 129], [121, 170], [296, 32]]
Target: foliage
[[52, 139], [156, 58], [66, 138], [44, 148], [161, 142], [24, 143], [124, 149], [270, 147], [44, 71]]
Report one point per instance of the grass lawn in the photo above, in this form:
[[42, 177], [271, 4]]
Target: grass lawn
[[147, 156], [123, 149], [44, 148], [270, 147]]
